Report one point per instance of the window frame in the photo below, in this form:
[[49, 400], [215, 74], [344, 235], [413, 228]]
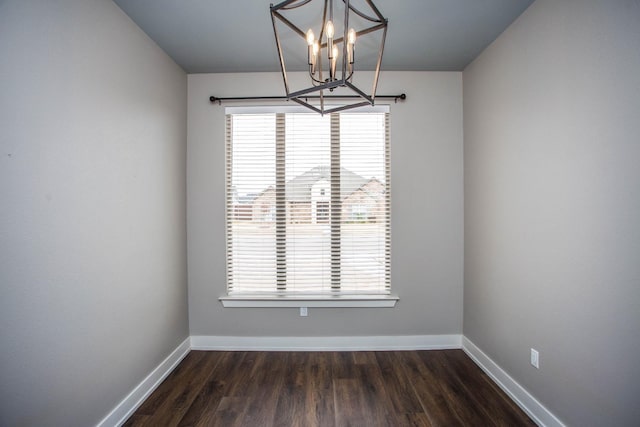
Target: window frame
[[288, 299]]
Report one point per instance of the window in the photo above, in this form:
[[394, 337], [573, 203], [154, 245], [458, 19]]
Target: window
[[322, 212], [308, 204]]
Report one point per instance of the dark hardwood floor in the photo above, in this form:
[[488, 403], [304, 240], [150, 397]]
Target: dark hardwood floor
[[394, 388]]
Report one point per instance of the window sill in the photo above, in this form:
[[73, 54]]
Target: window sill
[[338, 301]]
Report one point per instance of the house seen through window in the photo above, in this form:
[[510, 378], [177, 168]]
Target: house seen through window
[[308, 203]]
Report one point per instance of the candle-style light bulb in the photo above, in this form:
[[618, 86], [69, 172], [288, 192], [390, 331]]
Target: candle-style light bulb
[[311, 58], [310, 37], [330, 31], [334, 60], [316, 48], [351, 42], [351, 36]]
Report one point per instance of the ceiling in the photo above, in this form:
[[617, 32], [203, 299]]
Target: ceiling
[[216, 36]]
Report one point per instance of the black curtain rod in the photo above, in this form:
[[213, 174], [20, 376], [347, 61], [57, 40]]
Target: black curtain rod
[[214, 99]]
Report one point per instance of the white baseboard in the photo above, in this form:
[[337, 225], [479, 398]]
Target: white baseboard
[[360, 343], [129, 404], [540, 415]]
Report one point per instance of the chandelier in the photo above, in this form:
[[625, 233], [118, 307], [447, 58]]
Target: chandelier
[[327, 49]]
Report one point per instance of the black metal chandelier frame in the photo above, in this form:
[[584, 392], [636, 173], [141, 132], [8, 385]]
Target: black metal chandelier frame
[[331, 82]]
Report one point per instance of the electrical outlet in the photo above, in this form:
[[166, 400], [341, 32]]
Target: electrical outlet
[[303, 311], [535, 358]]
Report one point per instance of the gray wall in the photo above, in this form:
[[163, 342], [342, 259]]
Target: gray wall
[[92, 210], [427, 215], [552, 206]]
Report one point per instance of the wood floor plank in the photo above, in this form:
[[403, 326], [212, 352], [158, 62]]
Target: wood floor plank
[[182, 396], [402, 395], [349, 403], [265, 387], [457, 396], [429, 391], [419, 419], [377, 400], [319, 391], [360, 397], [206, 403], [136, 420], [231, 376], [291, 407], [173, 380], [229, 413], [485, 393], [398, 389], [343, 364], [238, 380]]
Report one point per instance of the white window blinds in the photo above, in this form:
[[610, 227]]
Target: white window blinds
[[308, 203]]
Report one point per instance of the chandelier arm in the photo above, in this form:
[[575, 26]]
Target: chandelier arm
[[363, 95], [314, 80], [292, 4], [324, 21], [377, 12], [279, 47], [350, 75], [358, 33], [288, 23], [326, 85], [346, 107], [362, 15], [375, 78], [311, 107], [372, 29]]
